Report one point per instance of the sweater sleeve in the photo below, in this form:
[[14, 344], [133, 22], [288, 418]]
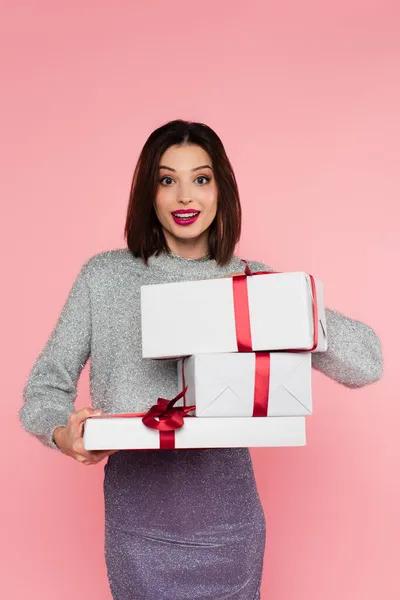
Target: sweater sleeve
[[354, 356], [50, 392]]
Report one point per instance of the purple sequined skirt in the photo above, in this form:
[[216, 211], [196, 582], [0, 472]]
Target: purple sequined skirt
[[183, 525]]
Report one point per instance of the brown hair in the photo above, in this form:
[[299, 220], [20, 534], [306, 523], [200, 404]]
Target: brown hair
[[143, 231]]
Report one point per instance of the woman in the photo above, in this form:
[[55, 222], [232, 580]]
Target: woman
[[180, 524]]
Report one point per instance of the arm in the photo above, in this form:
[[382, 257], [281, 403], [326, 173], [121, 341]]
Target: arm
[[354, 356], [50, 391]]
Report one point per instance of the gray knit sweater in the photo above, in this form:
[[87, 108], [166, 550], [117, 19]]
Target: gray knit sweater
[[101, 320]]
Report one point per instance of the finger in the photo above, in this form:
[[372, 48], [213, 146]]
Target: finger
[[91, 456], [79, 448], [77, 418], [86, 460], [96, 456], [109, 453], [85, 413], [103, 452], [93, 460], [100, 455], [232, 275], [81, 459]]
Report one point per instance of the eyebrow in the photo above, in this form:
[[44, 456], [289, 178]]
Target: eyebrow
[[195, 169]]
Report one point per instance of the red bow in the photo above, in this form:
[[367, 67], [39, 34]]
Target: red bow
[[170, 416], [166, 418], [163, 416]]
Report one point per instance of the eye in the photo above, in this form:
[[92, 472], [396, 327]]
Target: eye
[[166, 180], [204, 178]]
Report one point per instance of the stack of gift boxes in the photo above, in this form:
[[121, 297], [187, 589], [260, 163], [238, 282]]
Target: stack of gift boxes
[[243, 348]]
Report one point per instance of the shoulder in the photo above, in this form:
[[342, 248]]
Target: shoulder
[[111, 261], [238, 263]]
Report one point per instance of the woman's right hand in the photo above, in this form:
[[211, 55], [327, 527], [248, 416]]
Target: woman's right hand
[[69, 439]]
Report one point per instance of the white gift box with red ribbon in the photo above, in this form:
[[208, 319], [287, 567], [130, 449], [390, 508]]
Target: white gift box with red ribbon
[[247, 384], [129, 433], [260, 312]]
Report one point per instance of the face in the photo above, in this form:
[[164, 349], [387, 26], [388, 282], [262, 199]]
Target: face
[[186, 198]]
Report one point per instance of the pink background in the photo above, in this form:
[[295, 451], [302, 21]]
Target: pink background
[[306, 97]]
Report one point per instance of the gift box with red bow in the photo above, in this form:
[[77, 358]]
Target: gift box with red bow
[[245, 313], [167, 426], [247, 384]]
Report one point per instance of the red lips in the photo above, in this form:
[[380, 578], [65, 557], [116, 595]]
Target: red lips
[[180, 219]]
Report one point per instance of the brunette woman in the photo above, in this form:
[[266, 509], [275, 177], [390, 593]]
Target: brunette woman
[[180, 524]]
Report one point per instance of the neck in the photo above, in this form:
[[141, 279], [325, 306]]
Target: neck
[[194, 248]]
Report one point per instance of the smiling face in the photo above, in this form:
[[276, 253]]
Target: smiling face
[[186, 199]]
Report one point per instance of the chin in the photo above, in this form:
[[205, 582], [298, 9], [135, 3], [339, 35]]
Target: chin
[[186, 233]]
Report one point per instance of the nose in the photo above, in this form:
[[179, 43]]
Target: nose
[[185, 200], [185, 193]]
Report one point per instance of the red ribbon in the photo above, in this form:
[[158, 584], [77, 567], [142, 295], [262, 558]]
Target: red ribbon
[[242, 311], [261, 384], [164, 417]]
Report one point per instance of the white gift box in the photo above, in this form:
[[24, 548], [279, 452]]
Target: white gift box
[[198, 317], [129, 433], [223, 385]]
